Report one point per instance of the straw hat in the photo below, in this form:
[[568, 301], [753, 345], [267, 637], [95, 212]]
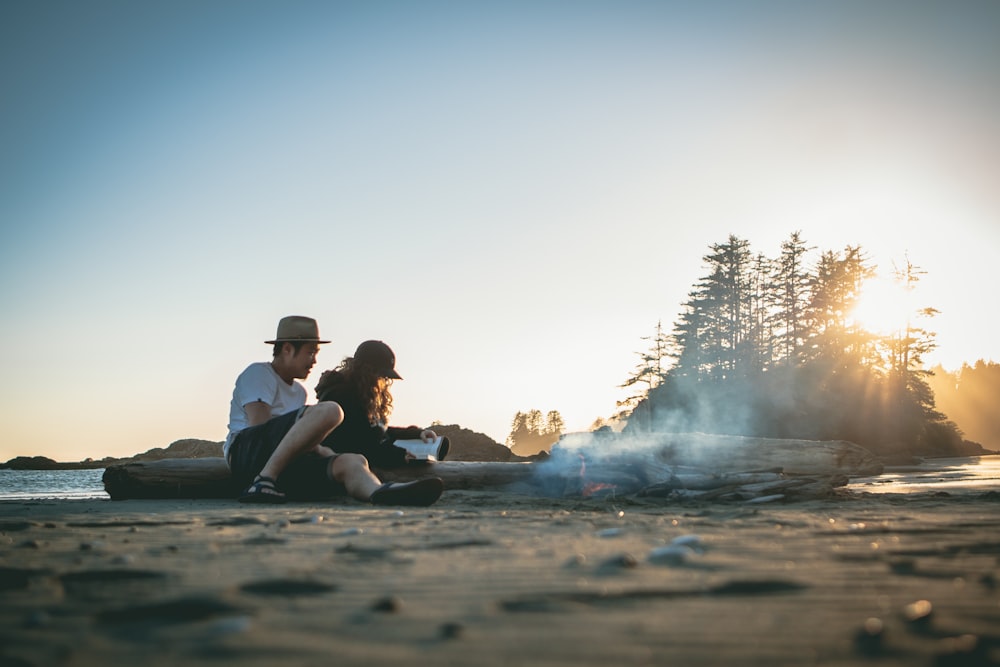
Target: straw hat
[[295, 329]]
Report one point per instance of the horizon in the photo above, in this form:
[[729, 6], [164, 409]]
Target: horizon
[[510, 195]]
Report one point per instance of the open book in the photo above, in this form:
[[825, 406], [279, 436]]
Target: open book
[[435, 450]]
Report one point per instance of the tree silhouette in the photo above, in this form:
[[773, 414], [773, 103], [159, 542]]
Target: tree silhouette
[[530, 433], [650, 371], [970, 397], [770, 348]]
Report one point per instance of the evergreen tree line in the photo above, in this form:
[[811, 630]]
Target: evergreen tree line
[[769, 347], [530, 433], [971, 397]]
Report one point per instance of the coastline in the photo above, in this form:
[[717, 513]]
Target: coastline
[[495, 579]]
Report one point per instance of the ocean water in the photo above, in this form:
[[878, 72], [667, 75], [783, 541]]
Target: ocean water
[[972, 474], [65, 484]]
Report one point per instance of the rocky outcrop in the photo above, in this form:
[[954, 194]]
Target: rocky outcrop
[[188, 448], [467, 445]]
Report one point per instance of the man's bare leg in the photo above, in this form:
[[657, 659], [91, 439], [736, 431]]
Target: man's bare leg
[[315, 424]]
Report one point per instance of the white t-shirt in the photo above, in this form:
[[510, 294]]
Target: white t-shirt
[[259, 382]]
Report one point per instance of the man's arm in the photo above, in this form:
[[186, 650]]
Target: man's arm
[[258, 412]]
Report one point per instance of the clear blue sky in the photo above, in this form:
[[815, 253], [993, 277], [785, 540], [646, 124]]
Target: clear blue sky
[[510, 194]]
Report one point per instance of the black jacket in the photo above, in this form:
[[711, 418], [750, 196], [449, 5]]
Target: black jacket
[[357, 434]]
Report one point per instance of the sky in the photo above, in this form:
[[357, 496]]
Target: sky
[[510, 194]]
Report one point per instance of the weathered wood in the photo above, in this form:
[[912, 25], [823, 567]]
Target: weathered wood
[[695, 463], [731, 453], [794, 457], [171, 478], [210, 477]]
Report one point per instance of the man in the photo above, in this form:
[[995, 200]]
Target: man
[[274, 437]]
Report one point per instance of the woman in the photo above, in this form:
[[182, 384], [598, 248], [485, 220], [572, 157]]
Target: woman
[[361, 386]]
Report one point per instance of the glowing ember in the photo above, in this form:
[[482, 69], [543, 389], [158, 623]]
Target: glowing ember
[[595, 488]]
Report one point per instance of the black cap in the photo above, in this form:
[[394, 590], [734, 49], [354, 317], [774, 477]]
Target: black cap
[[379, 356]]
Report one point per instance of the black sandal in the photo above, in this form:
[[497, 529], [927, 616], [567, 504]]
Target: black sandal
[[263, 491], [421, 493]]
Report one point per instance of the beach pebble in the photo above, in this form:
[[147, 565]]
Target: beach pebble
[[868, 639], [123, 559], [452, 630], [96, 545], [904, 566], [283, 523], [29, 544], [625, 561], [918, 615], [609, 532], [232, 625], [670, 554], [576, 560], [347, 532], [692, 542], [390, 604]]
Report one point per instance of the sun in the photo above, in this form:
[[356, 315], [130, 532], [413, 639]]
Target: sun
[[884, 307]]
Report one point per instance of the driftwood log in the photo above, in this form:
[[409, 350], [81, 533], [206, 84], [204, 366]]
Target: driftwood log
[[210, 478], [660, 465]]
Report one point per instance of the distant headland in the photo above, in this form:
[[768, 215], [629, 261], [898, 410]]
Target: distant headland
[[466, 445]]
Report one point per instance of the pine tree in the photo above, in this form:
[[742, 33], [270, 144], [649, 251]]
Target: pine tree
[[648, 373], [793, 282]]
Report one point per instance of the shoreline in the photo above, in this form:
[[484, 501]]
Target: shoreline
[[495, 579]]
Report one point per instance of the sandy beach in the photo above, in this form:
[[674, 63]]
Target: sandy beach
[[490, 578]]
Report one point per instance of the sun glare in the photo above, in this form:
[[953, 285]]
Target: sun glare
[[884, 307]]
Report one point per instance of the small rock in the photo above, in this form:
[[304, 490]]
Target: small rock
[[231, 625], [621, 561], [452, 630], [907, 566], [670, 554], [609, 532], [692, 542], [918, 615], [390, 604], [868, 639], [29, 544], [350, 531]]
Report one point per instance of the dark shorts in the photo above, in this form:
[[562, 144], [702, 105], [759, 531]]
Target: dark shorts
[[304, 478]]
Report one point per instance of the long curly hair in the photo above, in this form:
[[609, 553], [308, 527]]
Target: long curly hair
[[369, 384]]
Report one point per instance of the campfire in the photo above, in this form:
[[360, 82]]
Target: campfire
[[589, 465]]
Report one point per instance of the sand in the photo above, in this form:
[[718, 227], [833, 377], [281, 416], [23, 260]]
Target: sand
[[489, 578]]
